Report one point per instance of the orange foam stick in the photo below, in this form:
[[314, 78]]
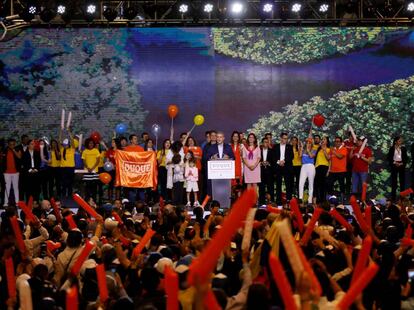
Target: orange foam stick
[[316, 286], [143, 242], [409, 231], [210, 301], [207, 260], [368, 216], [117, 218], [358, 215], [28, 211], [18, 234], [103, 288], [309, 229], [363, 280], [271, 209], [71, 221], [72, 298], [205, 201], [340, 219], [294, 206], [11, 279], [51, 246], [364, 191], [407, 192], [363, 258], [56, 210], [407, 242], [282, 282], [171, 288], [125, 241], [87, 249], [84, 205], [162, 203]]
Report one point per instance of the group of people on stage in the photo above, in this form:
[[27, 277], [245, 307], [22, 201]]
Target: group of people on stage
[[35, 167]]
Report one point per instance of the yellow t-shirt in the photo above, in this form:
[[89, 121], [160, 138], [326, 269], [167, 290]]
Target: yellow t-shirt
[[69, 162], [296, 159], [321, 159], [54, 163], [163, 158], [102, 158], [89, 157]]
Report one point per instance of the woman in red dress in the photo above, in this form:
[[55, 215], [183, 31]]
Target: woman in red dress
[[237, 150]]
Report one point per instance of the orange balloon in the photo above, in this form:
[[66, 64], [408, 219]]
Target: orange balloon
[[105, 177], [172, 110]]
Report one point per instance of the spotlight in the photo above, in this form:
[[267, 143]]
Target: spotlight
[[208, 8], [61, 9], [323, 8], [236, 8], [91, 9], [110, 14], [32, 9], [296, 7], [410, 7], [183, 8], [268, 7]]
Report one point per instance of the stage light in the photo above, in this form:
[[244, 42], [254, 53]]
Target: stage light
[[208, 8], [323, 8], [236, 8], [268, 7], [410, 7], [91, 9], [32, 9], [61, 9], [296, 7], [183, 8], [110, 14]]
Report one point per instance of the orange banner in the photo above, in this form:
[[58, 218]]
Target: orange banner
[[136, 169]]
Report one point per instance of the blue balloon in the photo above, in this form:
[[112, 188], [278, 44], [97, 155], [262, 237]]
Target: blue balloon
[[120, 129], [108, 166]]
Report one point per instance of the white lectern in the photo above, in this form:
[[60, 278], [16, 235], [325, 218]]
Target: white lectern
[[221, 172]]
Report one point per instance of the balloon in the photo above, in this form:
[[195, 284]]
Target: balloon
[[156, 129], [105, 177], [36, 145], [319, 120], [108, 166], [198, 120], [120, 128], [172, 110], [95, 136]]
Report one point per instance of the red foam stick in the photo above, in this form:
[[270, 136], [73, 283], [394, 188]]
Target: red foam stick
[[51, 246], [171, 288], [368, 216], [409, 231], [84, 205], [30, 203], [271, 209], [316, 286], [210, 301], [205, 201], [162, 203], [103, 288], [364, 191], [72, 298], [56, 210], [407, 192], [358, 215], [407, 242], [117, 218], [363, 258], [282, 282], [125, 241], [340, 219], [207, 260], [309, 229], [363, 280], [71, 221], [11, 280], [294, 206], [87, 249], [18, 234], [143, 242], [28, 211]]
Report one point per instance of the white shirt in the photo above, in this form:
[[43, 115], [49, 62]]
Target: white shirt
[[220, 150], [264, 154], [31, 158], [282, 151], [397, 155]]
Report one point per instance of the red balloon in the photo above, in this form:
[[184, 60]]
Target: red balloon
[[36, 145], [105, 177], [172, 110], [95, 136], [319, 120]]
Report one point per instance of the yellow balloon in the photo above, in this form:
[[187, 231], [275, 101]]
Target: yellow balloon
[[199, 119]]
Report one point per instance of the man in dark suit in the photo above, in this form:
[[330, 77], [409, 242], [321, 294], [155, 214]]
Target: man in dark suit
[[283, 154], [267, 161], [397, 159], [30, 171]]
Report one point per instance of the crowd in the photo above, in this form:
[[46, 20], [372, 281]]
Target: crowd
[[139, 235]]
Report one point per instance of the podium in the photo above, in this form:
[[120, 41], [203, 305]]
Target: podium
[[221, 172]]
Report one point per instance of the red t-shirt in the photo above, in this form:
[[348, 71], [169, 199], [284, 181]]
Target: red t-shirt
[[110, 154], [359, 165], [11, 165]]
